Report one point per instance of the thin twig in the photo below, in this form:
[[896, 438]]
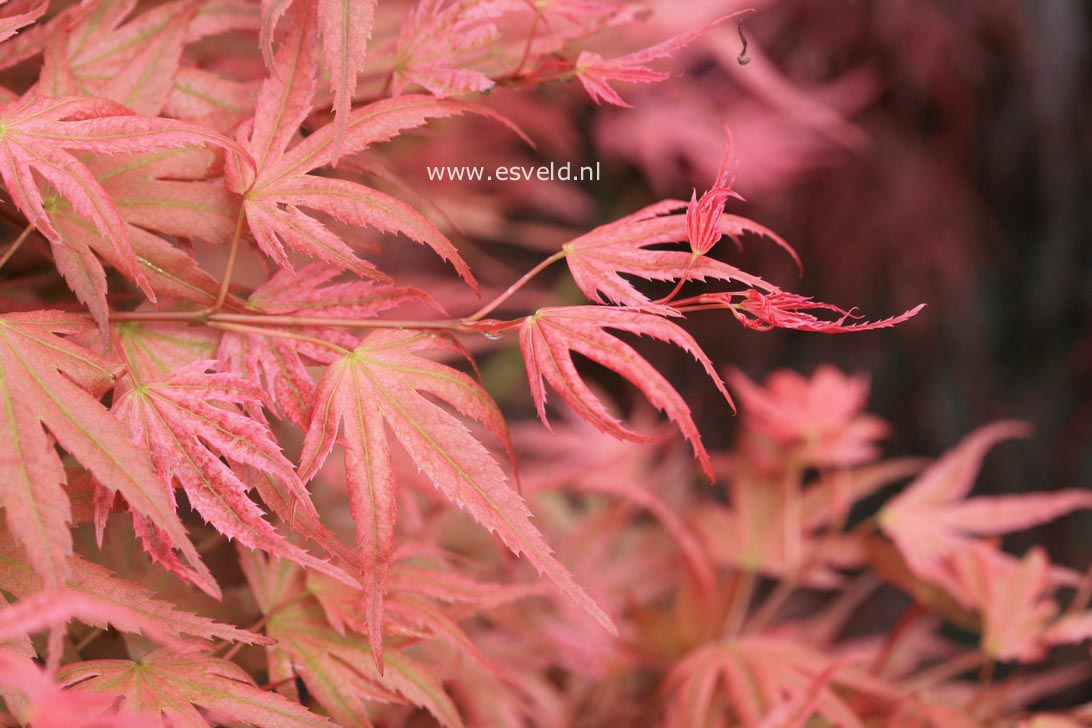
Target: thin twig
[[511, 290], [229, 269], [14, 247]]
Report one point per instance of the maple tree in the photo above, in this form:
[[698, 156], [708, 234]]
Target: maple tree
[[207, 292]]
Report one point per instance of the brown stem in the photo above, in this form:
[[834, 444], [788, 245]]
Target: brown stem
[[16, 245], [250, 322]]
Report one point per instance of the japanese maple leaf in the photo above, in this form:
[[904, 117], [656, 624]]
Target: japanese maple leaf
[[123, 604], [190, 422], [167, 686], [549, 338], [272, 199], [10, 24], [579, 457], [1011, 596], [772, 532], [433, 34], [782, 310], [596, 73], [35, 699], [417, 608], [54, 608], [156, 350], [821, 419], [280, 365], [45, 379], [162, 192], [382, 385], [338, 669], [345, 27], [757, 674], [38, 136], [932, 518], [132, 63], [1070, 629], [598, 260]]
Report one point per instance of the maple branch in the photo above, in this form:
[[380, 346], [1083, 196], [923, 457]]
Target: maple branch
[[453, 325], [157, 316], [276, 333], [512, 289], [458, 326], [211, 316], [16, 245]]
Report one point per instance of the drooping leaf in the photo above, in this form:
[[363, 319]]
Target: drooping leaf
[[38, 135], [596, 73], [183, 205], [549, 338]]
